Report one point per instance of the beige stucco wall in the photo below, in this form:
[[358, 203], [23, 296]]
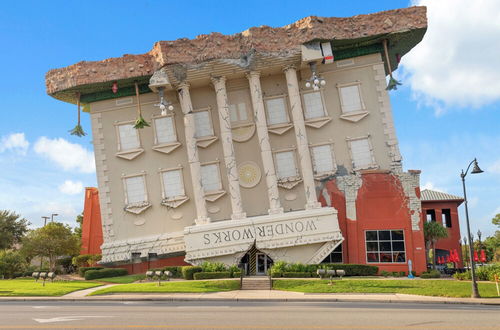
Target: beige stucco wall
[[158, 218]]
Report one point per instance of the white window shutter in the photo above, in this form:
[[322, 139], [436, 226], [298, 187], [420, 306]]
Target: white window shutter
[[276, 111], [285, 165], [172, 183], [351, 98], [323, 159], [136, 189], [313, 105], [361, 153], [210, 177], [202, 124], [129, 138], [164, 128]]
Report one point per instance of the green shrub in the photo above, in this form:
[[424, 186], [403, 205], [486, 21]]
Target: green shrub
[[462, 276], [188, 271], [296, 274], [234, 269], [83, 270], [11, 264], [276, 273], [385, 273], [84, 260], [236, 274], [105, 272], [279, 267], [431, 274], [213, 267], [353, 269], [211, 275], [296, 268], [175, 270], [484, 273]]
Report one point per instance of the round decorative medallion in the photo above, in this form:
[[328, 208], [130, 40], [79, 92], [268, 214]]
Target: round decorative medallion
[[290, 196], [243, 133], [139, 221], [176, 215], [249, 174], [213, 209]]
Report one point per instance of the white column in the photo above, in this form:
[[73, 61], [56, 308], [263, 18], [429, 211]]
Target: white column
[[227, 148], [301, 138], [265, 146], [192, 152]]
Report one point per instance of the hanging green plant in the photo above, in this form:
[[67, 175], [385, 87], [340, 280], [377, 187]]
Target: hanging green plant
[[78, 130], [140, 122], [393, 83]]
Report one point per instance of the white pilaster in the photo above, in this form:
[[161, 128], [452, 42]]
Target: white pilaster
[[192, 152], [227, 147], [265, 146], [301, 138]]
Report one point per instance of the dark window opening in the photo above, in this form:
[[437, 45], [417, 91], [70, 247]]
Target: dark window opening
[[431, 215], [446, 217], [335, 257], [385, 246]]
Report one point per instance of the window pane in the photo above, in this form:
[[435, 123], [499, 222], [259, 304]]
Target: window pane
[[285, 165], [397, 235], [372, 257], [361, 153], [276, 111], [385, 257], [384, 235], [399, 257], [371, 246], [323, 159], [371, 235], [384, 246], [129, 139], [242, 112], [351, 99], [233, 112], [136, 190], [336, 257], [172, 183], [313, 105], [202, 124], [398, 246], [165, 132], [210, 178]]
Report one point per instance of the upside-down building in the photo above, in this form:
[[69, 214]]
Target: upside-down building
[[269, 144]]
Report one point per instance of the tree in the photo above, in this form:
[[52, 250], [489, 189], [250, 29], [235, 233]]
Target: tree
[[496, 220], [12, 229], [78, 229], [433, 232], [11, 262], [51, 241]]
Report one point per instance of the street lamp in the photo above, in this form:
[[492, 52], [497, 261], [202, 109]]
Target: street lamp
[[52, 217], [45, 220], [475, 170]]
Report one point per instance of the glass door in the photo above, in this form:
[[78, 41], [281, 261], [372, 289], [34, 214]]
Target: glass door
[[261, 264]]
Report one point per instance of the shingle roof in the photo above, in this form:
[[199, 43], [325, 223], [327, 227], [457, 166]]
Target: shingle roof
[[427, 195]]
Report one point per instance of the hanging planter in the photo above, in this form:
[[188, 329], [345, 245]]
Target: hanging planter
[[140, 122], [393, 83], [78, 130]]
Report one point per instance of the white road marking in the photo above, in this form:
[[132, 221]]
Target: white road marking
[[68, 318], [40, 307]]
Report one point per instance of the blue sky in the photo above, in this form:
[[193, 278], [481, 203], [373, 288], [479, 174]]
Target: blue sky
[[446, 113]]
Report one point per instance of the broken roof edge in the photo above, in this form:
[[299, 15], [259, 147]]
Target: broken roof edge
[[403, 27]]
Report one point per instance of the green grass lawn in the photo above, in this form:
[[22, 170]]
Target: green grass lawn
[[438, 288], [28, 287], [181, 286], [123, 279]]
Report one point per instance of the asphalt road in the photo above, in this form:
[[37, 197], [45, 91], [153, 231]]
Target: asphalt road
[[244, 315]]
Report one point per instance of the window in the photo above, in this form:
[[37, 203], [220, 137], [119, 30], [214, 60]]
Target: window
[[210, 178], [203, 124], [276, 111], [238, 112], [350, 98], [164, 130], [313, 105], [173, 185], [128, 137], [323, 160], [361, 153], [446, 217], [385, 246], [430, 215], [335, 257], [286, 166], [135, 190]]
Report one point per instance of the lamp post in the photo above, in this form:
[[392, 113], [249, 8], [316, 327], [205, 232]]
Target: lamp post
[[45, 220], [52, 217], [475, 170]]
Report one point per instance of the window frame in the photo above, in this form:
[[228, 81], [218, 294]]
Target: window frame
[[120, 149], [391, 251], [163, 185], [326, 115], [321, 175], [341, 253], [361, 98], [239, 122], [209, 111], [287, 110], [155, 130], [293, 150], [373, 164], [125, 188], [221, 187]]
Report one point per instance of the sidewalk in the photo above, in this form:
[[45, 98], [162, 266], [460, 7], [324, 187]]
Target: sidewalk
[[259, 296]]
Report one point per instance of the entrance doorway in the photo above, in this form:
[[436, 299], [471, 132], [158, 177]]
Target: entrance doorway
[[256, 262]]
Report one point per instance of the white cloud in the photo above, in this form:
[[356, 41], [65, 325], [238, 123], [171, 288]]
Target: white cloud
[[69, 156], [456, 64], [71, 187], [430, 185], [15, 142]]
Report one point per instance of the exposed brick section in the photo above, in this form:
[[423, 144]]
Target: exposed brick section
[[265, 40]]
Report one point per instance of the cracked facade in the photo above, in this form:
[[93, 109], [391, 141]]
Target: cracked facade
[[254, 163]]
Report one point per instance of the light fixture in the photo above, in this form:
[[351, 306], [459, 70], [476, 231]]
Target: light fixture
[[164, 104], [114, 88], [315, 81]]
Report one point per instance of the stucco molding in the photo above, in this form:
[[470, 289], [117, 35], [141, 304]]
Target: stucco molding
[[410, 182], [349, 185]]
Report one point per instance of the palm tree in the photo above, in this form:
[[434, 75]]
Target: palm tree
[[433, 232]]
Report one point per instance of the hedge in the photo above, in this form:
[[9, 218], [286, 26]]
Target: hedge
[[105, 272], [297, 274], [211, 275], [353, 269], [175, 270], [83, 270], [237, 274], [350, 269], [188, 271], [431, 274]]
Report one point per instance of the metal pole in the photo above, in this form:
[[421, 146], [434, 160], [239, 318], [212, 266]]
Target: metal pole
[[475, 291]]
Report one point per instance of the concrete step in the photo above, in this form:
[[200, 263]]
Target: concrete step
[[256, 283]]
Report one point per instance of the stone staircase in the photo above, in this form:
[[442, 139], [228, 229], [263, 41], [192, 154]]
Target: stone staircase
[[256, 283]]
